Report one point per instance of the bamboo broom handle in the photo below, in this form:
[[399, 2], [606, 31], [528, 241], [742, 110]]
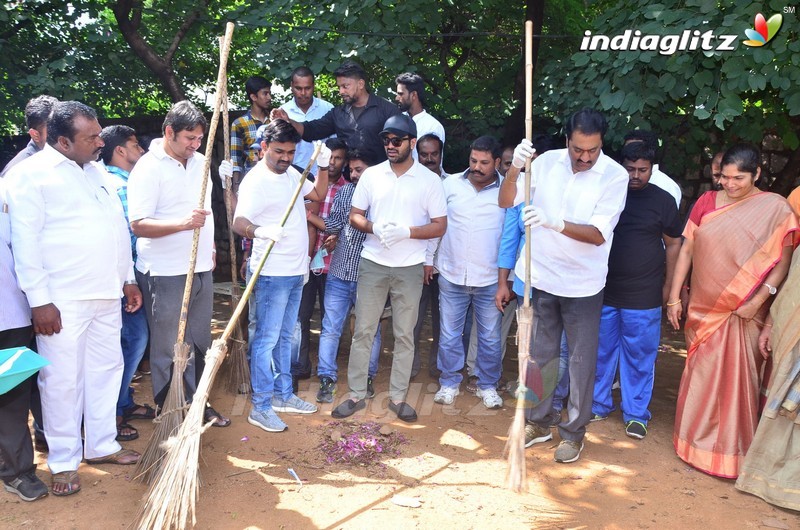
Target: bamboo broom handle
[[529, 136]]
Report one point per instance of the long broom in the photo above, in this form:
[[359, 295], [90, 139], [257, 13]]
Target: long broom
[[238, 366], [174, 404], [516, 475], [171, 499]]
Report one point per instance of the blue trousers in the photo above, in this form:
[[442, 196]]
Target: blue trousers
[[628, 338], [133, 338], [277, 302]]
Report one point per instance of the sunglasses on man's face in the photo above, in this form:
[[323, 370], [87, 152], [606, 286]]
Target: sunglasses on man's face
[[395, 141]]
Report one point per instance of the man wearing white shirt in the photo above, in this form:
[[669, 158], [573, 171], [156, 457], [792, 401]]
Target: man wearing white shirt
[[73, 259], [263, 199], [406, 208], [163, 191], [411, 99], [467, 264], [578, 194], [304, 106]]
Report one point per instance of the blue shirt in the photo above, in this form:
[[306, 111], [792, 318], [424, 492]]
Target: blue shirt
[[119, 178]]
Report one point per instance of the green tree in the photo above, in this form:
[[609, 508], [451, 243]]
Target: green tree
[[697, 101]]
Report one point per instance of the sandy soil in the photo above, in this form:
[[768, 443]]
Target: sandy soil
[[453, 465]]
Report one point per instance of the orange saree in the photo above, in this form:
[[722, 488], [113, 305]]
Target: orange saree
[[735, 247]]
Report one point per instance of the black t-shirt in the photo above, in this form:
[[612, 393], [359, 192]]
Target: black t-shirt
[[637, 260]]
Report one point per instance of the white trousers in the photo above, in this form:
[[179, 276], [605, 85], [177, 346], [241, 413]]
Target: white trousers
[[82, 382]]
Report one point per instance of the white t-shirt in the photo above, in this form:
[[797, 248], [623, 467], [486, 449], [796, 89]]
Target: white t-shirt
[[159, 187], [427, 124], [412, 199], [263, 198], [561, 265], [663, 181]]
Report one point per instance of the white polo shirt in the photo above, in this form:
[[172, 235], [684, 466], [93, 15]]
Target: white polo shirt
[[159, 187], [561, 265], [68, 232], [468, 251], [412, 199], [263, 198]]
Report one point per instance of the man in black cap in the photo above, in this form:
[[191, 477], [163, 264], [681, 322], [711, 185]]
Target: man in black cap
[[358, 120], [406, 208]]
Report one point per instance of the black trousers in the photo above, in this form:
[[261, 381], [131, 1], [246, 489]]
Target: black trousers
[[16, 448]]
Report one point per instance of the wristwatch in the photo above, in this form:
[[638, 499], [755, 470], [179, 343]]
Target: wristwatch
[[772, 289]]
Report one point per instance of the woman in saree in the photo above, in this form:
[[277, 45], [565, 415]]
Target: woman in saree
[[771, 469], [738, 244]]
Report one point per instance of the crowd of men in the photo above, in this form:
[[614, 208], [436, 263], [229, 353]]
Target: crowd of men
[[379, 225]]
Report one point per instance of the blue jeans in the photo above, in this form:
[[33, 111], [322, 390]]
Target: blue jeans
[[454, 301], [277, 302], [340, 298], [628, 338], [133, 338]]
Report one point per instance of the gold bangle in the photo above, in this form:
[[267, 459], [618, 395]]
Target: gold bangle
[[676, 302], [247, 231]]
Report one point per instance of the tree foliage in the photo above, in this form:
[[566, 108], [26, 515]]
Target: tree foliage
[[696, 100]]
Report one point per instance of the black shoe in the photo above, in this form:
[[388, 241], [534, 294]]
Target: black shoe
[[348, 408], [27, 486], [327, 388], [303, 376], [295, 385], [370, 389], [404, 411]]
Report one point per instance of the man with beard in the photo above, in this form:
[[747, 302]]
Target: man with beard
[[657, 177], [358, 120], [579, 195], [342, 283], [406, 208], [262, 202], [411, 100], [244, 128], [163, 190], [36, 113], [467, 264], [716, 171], [73, 260], [304, 106], [630, 322]]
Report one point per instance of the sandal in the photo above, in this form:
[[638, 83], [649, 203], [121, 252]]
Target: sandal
[[131, 435], [472, 384], [123, 457], [69, 479], [211, 415], [131, 414]]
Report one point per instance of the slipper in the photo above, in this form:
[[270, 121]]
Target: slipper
[[69, 479], [130, 414], [404, 411], [347, 408], [132, 432], [472, 384], [214, 416], [123, 457]]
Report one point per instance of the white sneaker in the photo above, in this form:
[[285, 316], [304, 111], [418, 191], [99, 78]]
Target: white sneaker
[[491, 399], [446, 395]]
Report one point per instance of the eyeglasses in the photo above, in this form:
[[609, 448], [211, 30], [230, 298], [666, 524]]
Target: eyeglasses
[[395, 141]]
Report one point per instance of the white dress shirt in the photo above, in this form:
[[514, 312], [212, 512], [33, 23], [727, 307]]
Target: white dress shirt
[[412, 199], [263, 198], [561, 265], [468, 250], [68, 231], [427, 124], [14, 310], [159, 187], [304, 149], [663, 181]]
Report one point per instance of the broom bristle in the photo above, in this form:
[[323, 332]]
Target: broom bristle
[[238, 380], [168, 421]]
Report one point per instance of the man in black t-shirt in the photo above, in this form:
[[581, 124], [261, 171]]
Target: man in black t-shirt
[[643, 253]]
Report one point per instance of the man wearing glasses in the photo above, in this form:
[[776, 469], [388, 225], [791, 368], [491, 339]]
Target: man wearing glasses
[[406, 208]]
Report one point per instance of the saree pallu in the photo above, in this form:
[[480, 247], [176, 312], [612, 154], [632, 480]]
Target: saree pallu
[[735, 247], [771, 469]]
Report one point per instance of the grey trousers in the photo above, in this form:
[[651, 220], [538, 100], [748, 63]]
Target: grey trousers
[[404, 287], [579, 318], [163, 296]]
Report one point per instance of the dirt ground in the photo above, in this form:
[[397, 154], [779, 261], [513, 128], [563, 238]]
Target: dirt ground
[[453, 465]]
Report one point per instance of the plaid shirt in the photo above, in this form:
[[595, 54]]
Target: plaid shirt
[[120, 179], [243, 136], [347, 254], [324, 212]]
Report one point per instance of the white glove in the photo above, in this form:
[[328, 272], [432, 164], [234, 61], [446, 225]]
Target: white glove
[[533, 217], [379, 228], [324, 156], [522, 153], [395, 234], [273, 232], [225, 172]]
